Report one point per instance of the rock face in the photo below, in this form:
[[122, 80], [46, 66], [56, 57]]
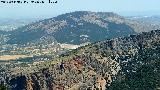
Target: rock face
[[122, 63], [75, 28], [83, 71]]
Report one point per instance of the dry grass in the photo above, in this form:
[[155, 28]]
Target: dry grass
[[69, 46], [12, 57]]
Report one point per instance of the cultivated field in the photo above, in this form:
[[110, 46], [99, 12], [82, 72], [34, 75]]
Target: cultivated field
[[12, 57]]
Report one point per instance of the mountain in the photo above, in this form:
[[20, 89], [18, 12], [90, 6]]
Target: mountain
[[9, 24], [128, 63], [3, 37], [147, 19], [76, 28]]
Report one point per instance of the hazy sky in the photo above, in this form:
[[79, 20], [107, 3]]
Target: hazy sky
[[123, 7]]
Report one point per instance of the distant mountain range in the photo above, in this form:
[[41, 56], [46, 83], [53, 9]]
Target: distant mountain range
[[147, 19], [9, 24], [79, 27]]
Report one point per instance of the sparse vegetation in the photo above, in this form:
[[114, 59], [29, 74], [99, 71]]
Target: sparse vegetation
[[127, 63]]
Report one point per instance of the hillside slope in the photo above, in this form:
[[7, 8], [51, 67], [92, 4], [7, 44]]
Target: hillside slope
[[75, 28], [127, 63]]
